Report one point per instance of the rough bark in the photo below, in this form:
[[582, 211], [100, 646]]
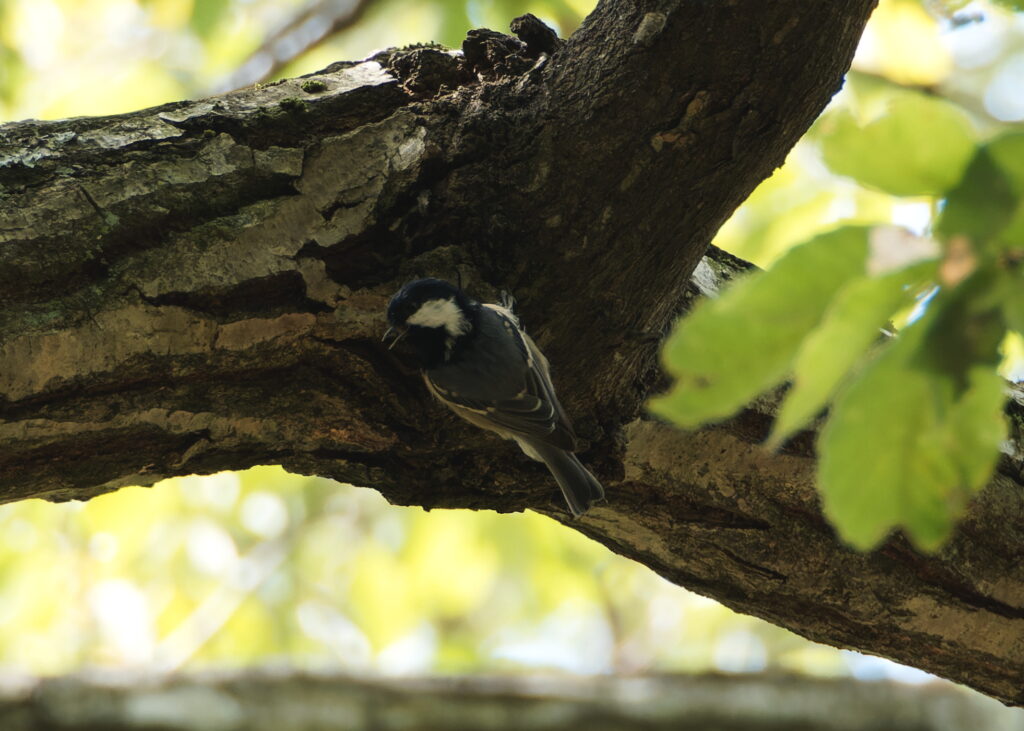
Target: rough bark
[[201, 286], [269, 702]]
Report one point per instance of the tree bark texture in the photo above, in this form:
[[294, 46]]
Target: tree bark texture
[[274, 702], [201, 286]]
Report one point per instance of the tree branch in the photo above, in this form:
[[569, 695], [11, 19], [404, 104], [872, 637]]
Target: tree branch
[[258, 702], [201, 286]]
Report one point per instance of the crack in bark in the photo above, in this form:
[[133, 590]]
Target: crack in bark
[[899, 550], [756, 568], [268, 296], [92, 202]]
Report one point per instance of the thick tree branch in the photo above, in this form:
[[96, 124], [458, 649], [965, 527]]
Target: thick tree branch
[[201, 286]]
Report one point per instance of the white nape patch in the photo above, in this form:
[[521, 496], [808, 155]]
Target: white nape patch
[[441, 313]]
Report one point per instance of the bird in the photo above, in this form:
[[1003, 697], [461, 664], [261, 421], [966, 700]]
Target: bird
[[478, 361]]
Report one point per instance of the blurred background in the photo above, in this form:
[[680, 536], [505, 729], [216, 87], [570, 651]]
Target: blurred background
[[263, 567]]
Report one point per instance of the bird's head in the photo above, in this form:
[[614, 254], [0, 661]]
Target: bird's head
[[434, 316]]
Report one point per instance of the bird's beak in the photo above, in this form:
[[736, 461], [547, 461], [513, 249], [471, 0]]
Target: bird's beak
[[391, 331]]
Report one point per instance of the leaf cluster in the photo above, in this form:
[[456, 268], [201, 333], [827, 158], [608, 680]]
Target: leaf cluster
[[914, 418]]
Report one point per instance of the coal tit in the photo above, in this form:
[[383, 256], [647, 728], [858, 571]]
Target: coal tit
[[479, 362]]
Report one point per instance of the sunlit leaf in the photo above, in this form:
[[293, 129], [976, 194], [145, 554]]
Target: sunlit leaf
[[919, 147], [733, 348], [849, 328], [906, 445]]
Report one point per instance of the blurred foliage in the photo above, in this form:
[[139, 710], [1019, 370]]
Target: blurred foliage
[[916, 420], [60, 58], [263, 566]]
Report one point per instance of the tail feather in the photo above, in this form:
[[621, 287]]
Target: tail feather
[[580, 488]]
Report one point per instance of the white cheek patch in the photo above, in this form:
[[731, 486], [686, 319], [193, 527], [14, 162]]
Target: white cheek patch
[[441, 313]]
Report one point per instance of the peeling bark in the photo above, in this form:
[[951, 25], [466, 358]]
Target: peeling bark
[[201, 286]]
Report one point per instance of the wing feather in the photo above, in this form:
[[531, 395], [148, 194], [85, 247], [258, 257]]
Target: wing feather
[[534, 412]]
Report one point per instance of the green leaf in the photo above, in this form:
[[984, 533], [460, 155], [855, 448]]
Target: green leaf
[[1008, 152], [981, 205], [919, 147], [987, 206], [732, 348], [1016, 5], [851, 325], [977, 427], [968, 329], [905, 446], [1013, 305], [878, 433]]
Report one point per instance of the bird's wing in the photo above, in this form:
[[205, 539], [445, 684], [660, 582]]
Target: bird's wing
[[533, 413]]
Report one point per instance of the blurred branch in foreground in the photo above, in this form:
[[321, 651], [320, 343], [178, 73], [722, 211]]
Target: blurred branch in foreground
[[281, 702], [313, 25]]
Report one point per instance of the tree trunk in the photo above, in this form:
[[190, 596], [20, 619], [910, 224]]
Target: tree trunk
[[201, 286], [274, 702]]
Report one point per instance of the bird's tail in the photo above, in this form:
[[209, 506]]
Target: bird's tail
[[580, 488]]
